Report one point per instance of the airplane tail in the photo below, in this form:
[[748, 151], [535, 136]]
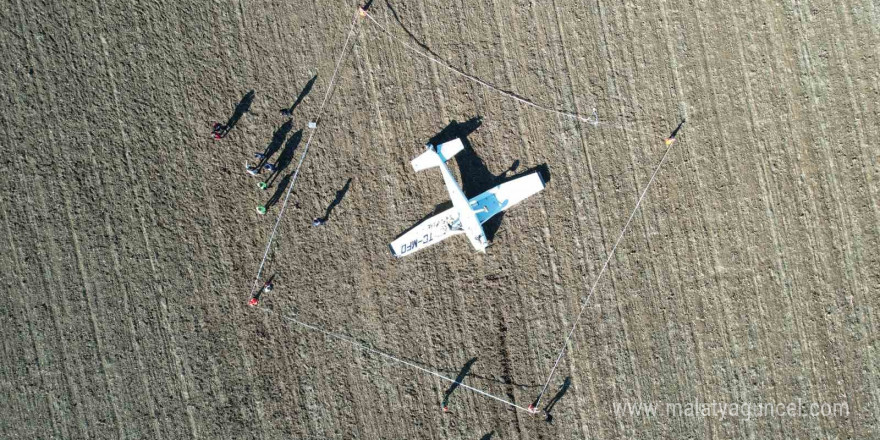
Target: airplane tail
[[439, 154]]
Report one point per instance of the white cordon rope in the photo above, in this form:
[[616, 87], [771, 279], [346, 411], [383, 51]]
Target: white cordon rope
[[601, 272], [278, 221], [595, 121], [317, 120], [367, 348]]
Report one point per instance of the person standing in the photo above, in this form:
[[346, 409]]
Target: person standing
[[219, 131], [255, 299]]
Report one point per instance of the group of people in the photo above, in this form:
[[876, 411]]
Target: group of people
[[220, 131], [253, 171]]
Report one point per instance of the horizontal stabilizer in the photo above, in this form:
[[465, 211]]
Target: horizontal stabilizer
[[449, 149], [439, 154]]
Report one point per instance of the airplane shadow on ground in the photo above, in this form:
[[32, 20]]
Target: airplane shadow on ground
[[476, 178], [475, 175]]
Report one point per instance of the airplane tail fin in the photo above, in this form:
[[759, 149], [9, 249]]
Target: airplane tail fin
[[441, 153]]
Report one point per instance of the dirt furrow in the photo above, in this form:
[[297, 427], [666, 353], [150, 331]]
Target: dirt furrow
[[39, 350], [131, 237]]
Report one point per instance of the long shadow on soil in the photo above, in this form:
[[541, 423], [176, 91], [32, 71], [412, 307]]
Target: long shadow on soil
[[259, 292], [275, 144], [339, 196], [675, 132], [243, 106], [286, 156], [562, 390], [503, 381], [458, 379], [278, 191], [305, 91]]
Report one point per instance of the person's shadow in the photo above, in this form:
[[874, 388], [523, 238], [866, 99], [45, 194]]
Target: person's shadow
[[275, 144], [487, 436], [455, 129], [282, 185], [562, 390], [458, 380], [339, 195], [286, 156], [243, 106], [675, 132], [305, 91]]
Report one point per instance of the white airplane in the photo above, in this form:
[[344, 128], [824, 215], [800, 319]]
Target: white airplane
[[465, 216]]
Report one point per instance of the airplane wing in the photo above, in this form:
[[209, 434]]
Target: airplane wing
[[426, 233], [502, 197]]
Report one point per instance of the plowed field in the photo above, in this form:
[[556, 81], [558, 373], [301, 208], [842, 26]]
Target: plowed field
[[749, 276]]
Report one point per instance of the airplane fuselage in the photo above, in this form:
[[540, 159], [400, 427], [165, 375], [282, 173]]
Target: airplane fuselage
[[468, 218], [465, 216]]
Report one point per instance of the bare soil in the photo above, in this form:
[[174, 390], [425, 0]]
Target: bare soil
[[750, 275]]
